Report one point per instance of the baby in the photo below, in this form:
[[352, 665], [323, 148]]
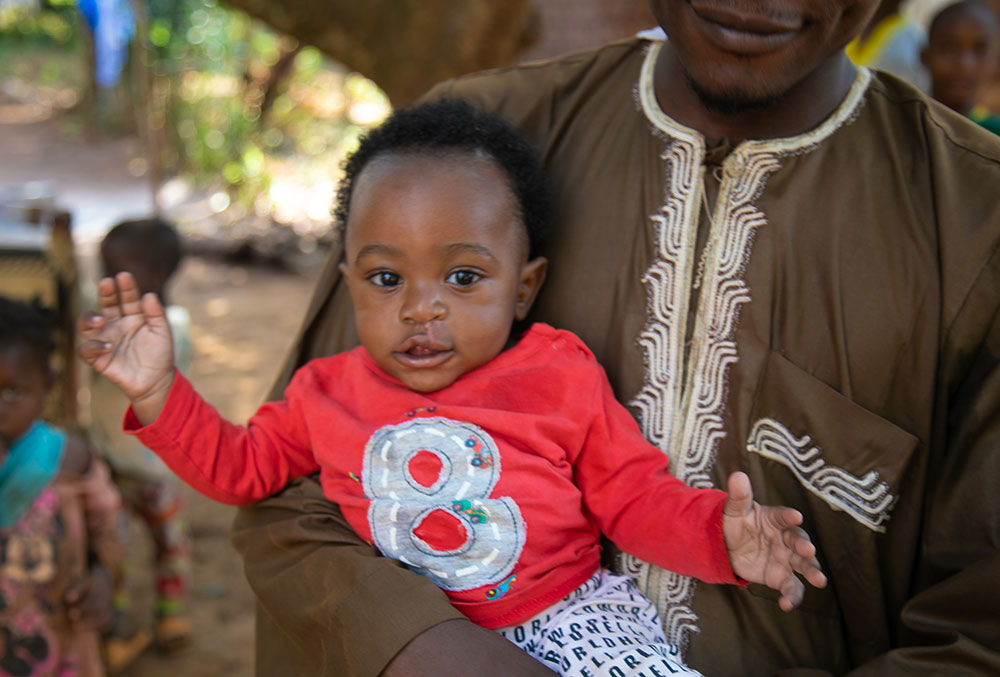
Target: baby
[[485, 459]]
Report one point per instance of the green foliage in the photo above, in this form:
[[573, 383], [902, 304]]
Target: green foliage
[[237, 107], [39, 47], [54, 22], [265, 139]]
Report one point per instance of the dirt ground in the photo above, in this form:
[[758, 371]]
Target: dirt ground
[[243, 317]]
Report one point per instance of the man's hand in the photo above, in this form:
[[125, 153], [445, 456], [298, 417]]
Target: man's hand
[[766, 545], [129, 343]]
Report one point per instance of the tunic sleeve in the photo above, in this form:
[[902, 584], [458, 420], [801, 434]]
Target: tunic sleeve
[[952, 621], [327, 603]]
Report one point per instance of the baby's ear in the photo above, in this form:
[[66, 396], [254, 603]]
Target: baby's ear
[[531, 279], [345, 273]]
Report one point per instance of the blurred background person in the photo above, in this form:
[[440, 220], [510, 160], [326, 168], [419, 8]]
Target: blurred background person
[[891, 42], [961, 57], [59, 553], [151, 250]]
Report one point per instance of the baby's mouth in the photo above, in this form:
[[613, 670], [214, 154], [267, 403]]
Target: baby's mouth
[[422, 352]]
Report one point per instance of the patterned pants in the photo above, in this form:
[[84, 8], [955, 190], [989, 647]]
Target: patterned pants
[[157, 503], [603, 628]]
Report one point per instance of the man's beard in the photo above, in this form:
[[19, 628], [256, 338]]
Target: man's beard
[[730, 104]]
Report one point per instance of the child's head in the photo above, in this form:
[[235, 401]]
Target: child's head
[[150, 249], [442, 210], [26, 346], [960, 52]]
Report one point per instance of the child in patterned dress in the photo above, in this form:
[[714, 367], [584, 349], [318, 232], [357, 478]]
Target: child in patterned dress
[[59, 555]]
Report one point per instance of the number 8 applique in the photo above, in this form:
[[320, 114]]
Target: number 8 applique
[[429, 482]]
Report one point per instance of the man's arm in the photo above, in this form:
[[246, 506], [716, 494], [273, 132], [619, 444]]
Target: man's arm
[[951, 626], [328, 604]]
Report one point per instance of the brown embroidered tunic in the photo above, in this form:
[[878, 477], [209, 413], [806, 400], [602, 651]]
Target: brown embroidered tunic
[[832, 328]]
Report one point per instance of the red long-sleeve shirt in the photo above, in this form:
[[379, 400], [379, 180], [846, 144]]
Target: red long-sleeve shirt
[[496, 487]]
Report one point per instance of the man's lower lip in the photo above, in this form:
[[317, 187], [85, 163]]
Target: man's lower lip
[[741, 42]]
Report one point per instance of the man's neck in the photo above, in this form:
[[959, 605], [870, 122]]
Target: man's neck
[[885, 9], [800, 109]]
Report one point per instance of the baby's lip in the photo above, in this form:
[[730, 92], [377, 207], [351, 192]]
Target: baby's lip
[[423, 351], [423, 343]]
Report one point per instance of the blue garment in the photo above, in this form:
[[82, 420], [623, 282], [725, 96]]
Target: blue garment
[[113, 24], [31, 463]]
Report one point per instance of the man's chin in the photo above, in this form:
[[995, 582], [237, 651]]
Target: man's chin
[[731, 102]]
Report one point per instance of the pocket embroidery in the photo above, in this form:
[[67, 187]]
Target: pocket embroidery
[[865, 499]]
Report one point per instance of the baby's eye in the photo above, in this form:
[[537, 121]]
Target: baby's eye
[[463, 278], [11, 394], [385, 279]]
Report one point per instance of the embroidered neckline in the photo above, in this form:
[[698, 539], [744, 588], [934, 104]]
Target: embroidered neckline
[[846, 111], [681, 405]]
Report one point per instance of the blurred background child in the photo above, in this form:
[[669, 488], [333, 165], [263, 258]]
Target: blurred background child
[[151, 250], [960, 56], [891, 42], [59, 554]]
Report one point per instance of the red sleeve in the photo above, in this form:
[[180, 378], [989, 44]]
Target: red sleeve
[[639, 505], [225, 462]]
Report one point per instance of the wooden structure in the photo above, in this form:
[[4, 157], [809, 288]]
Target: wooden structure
[[37, 264]]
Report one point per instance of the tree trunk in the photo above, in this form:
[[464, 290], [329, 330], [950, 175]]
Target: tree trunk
[[570, 25], [406, 46], [403, 45]]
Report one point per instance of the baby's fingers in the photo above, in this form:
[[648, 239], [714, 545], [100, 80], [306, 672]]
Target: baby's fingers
[[89, 323], [153, 310], [107, 298], [810, 569], [128, 294], [792, 592], [803, 557], [785, 518], [91, 350]]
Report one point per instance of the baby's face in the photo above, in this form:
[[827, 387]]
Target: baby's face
[[436, 260], [23, 387]]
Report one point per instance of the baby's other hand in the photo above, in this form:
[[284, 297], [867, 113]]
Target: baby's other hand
[[766, 544]]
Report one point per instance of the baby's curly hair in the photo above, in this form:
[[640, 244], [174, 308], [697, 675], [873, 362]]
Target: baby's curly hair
[[448, 126], [27, 325]]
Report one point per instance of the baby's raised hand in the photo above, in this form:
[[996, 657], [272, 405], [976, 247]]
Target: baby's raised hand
[[766, 544], [129, 342]]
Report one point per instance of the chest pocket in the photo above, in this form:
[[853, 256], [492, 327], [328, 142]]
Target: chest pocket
[[847, 458], [841, 465]]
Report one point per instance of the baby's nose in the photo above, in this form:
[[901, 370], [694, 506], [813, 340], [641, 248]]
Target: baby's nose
[[423, 304]]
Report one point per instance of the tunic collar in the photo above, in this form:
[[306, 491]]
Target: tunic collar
[[845, 112]]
